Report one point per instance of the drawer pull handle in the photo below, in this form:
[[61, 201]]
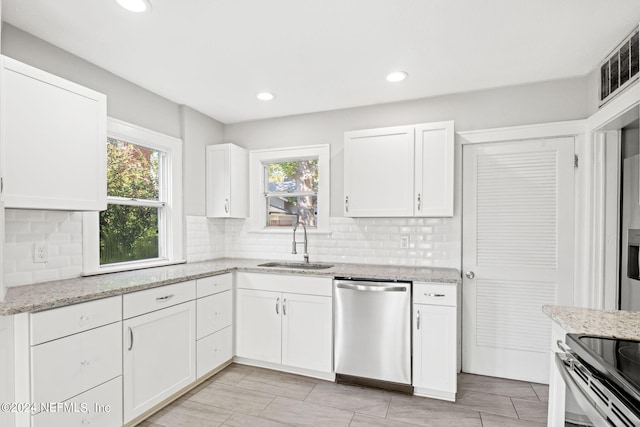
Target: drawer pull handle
[[164, 298], [86, 422], [284, 306], [278, 305], [84, 319], [130, 339], [434, 295], [85, 363], [418, 319]]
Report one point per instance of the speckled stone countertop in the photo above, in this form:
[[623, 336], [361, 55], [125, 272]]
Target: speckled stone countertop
[[43, 296], [614, 323]]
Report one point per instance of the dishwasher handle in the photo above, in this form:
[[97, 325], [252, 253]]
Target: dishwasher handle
[[371, 286]]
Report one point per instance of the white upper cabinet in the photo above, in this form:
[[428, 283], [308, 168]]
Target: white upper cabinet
[[378, 172], [399, 171], [53, 141], [227, 181], [434, 160]]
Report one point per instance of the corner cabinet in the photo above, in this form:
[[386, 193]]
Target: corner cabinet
[[227, 181], [402, 171], [53, 131], [284, 322], [435, 340]]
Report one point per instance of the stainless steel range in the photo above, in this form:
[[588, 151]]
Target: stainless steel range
[[603, 374]]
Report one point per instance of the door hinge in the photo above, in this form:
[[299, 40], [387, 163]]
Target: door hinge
[[575, 160]]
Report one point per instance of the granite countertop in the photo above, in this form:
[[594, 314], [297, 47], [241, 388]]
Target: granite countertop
[[43, 296], [613, 323]]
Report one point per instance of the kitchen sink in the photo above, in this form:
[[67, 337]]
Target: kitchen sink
[[301, 265]]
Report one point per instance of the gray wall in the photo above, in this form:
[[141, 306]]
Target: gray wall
[[198, 131], [511, 106], [129, 102]]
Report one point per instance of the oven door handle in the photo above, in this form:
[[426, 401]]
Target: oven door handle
[[585, 402]]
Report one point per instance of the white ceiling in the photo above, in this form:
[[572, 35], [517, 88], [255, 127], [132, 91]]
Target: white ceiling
[[317, 55]]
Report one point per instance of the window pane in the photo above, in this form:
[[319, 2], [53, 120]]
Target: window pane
[[283, 211], [292, 177], [128, 233], [132, 170]]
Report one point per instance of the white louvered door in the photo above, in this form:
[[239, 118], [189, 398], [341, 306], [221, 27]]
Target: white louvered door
[[518, 241]]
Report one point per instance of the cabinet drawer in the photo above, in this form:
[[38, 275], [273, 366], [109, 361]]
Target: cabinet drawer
[[213, 313], [137, 303], [69, 366], [98, 407], [60, 322], [435, 293], [214, 284], [213, 350]]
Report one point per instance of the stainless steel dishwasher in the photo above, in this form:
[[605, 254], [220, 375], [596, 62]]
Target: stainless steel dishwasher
[[373, 333]]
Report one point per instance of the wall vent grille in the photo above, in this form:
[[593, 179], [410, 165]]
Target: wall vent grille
[[620, 68]]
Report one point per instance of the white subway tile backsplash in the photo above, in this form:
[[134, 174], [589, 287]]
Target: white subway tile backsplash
[[61, 231], [433, 242]]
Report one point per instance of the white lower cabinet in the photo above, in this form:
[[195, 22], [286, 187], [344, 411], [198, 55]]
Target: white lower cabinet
[[435, 342], [286, 328], [68, 363], [259, 333], [307, 332], [98, 407], [214, 306], [159, 356]]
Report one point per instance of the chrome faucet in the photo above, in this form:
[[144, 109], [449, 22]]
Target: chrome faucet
[[294, 244]]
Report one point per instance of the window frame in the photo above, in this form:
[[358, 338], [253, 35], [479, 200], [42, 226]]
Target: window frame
[[258, 159], [170, 243]]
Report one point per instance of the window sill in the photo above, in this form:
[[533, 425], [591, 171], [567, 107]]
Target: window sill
[[130, 266]]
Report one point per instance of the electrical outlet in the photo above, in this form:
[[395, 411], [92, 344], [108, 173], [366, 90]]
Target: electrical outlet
[[404, 241], [40, 252]]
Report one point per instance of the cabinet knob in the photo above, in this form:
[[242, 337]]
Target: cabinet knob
[[419, 202], [346, 204], [85, 363], [85, 422], [83, 318]]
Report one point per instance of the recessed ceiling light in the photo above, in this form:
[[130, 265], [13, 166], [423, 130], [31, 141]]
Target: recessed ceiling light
[[397, 76], [265, 96], [137, 6]]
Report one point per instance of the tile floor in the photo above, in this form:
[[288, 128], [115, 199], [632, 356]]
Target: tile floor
[[247, 396]]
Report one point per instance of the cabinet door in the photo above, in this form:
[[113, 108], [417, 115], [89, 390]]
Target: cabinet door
[[378, 172], [258, 334], [227, 181], [159, 356], [434, 351], [53, 131], [434, 163], [306, 332], [218, 181]]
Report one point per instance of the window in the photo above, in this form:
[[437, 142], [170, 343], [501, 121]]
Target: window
[[130, 227], [290, 185], [291, 192], [142, 225]]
